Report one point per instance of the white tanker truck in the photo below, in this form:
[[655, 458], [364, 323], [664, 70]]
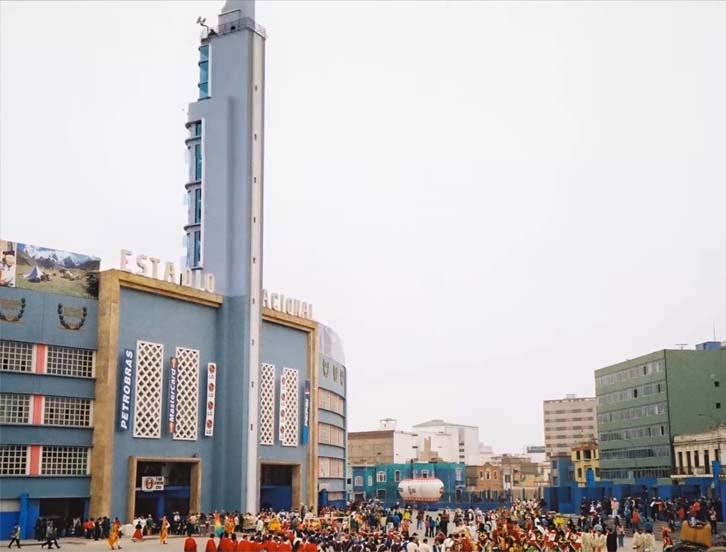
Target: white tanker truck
[[421, 490]]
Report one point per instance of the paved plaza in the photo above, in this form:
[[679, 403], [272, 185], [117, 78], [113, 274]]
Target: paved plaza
[[152, 544]]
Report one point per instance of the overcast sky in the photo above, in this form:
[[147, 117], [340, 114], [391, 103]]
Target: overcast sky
[[488, 201]]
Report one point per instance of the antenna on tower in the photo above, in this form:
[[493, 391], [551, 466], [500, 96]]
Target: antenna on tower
[[681, 346]]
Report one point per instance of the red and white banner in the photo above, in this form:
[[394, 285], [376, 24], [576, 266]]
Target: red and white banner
[[152, 483], [211, 385]]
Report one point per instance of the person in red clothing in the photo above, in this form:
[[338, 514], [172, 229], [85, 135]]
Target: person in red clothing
[[285, 545], [190, 545], [211, 545], [225, 544], [244, 545], [310, 546], [256, 545]]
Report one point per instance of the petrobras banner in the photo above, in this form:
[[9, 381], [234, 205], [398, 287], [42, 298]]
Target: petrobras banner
[[173, 375], [211, 386], [306, 413], [127, 370]]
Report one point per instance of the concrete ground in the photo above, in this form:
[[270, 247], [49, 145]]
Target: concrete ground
[[151, 544]]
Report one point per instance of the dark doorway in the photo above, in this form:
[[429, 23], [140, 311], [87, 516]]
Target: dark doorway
[[175, 495], [276, 487]]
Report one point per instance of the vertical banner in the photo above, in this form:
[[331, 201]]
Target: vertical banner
[[173, 375], [306, 413], [211, 385], [127, 384]]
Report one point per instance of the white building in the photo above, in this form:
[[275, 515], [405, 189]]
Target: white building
[[449, 442], [694, 452]]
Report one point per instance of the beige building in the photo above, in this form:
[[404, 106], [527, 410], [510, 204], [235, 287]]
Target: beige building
[[694, 452], [568, 422]]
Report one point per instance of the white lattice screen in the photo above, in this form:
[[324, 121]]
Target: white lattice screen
[[289, 407], [187, 398], [266, 419], [147, 404]]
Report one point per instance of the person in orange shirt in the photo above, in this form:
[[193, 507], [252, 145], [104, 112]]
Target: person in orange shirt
[[256, 545], [211, 545], [190, 545]]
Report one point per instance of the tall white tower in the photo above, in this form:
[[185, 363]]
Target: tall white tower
[[224, 226]]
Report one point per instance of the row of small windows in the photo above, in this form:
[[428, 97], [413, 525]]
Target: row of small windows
[[54, 460], [635, 433], [636, 473], [569, 419], [67, 361], [331, 435], [57, 411], [645, 452], [327, 400], [632, 393], [16, 356], [641, 371], [633, 413]]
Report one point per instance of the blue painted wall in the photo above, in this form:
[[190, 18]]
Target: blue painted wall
[[40, 322], [286, 347], [174, 324]]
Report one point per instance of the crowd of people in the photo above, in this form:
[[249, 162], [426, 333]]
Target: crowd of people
[[634, 512], [525, 526]]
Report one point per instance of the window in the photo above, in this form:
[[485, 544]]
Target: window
[[381, 494], [370, 480], [706, 462], [696, 459], [331, 401], [14, 409], [577, 455], [67, 411], [204, 72], [330, 467], [718, 405], [196, 247], [66, 361], [197, 129], [197, 205], [358, 481], [425, 474], [716, 383], [457, 473], [16, 356], [579, 473], [397, 475], [13, 460], [64, 461], [380, 477], [197, 162], [331, 435]]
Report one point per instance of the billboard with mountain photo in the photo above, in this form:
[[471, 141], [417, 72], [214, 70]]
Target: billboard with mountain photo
[[28, 266]]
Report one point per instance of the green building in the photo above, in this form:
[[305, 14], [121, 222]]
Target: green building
[[644, 402]]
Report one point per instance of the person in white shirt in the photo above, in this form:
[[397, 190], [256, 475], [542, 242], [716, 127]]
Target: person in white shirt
[[424, 546], [448, 544], [411, 546]]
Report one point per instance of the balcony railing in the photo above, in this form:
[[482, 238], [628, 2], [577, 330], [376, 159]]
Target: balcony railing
[[233, 27], [691, 471]]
